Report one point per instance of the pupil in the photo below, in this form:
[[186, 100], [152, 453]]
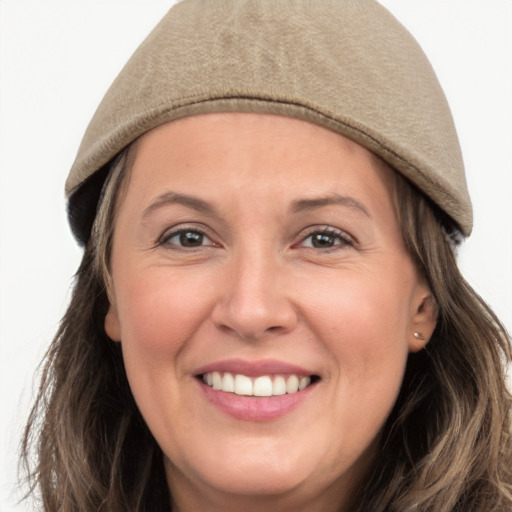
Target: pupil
[[191, 239], [322, 240]]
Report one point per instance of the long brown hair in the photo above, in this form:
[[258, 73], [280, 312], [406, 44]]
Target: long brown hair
[[446, 446]]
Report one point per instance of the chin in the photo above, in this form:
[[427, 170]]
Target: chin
[[260, 469]]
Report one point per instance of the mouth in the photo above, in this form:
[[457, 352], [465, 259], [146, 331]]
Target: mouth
[[257, 386], [256, 391]]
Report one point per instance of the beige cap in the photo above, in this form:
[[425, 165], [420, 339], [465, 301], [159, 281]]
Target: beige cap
[[348, 65]]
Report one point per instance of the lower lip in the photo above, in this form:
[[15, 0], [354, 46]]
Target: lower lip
[[249, 408]]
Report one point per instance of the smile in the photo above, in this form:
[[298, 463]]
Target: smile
[[257, 391], [261, 386]]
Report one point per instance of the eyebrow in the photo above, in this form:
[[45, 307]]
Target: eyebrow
[[298, 206], [302, 205], [170, 198]]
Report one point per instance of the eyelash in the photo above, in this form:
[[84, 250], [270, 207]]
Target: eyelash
[[167, 237], [343, 239]]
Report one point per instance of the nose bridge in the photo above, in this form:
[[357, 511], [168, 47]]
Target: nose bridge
[[254, 302]]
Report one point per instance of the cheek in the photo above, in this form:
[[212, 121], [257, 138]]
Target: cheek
[[366, 305], [159, 312], [159, 315], [363, 322]]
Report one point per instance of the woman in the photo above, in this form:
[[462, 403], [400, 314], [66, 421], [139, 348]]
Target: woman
[[268, 314]]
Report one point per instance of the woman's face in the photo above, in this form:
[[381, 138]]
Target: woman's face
[[255, 254]]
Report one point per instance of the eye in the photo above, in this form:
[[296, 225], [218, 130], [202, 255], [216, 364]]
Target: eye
[[187, 238], [327, 238]]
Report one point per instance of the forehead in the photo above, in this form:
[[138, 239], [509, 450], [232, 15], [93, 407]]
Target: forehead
[[233, 151]]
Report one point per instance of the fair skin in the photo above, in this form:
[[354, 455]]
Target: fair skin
[[262, 246]]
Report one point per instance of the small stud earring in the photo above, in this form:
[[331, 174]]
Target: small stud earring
[[419, 336]]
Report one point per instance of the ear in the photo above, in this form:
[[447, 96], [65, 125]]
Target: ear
[[424, 319], [112, 325]]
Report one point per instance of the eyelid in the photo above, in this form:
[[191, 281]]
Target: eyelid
[[173, 231], [346, 239]]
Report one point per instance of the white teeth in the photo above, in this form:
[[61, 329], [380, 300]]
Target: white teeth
[[228, 383], [304, 382], [292, 385], [264, 385], [216, 380], [279, 386], [243, 385]]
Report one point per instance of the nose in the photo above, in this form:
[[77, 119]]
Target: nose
[[255, 300]]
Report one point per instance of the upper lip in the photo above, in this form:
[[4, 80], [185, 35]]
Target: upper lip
[[254, 368]]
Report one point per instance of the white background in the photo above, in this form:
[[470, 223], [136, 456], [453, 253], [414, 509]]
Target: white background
[[58, 58]]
